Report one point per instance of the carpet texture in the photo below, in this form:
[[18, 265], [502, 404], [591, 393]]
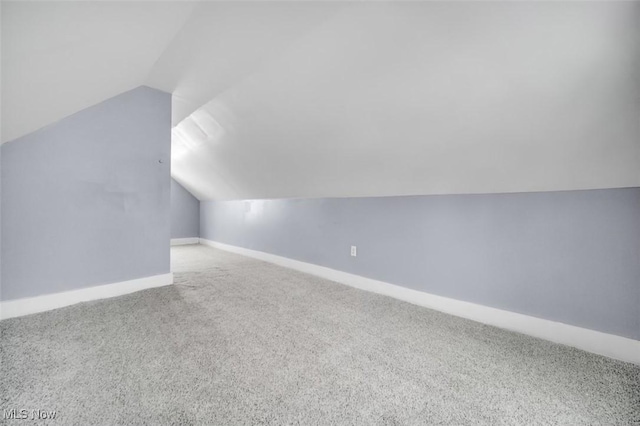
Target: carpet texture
[[239, 341]]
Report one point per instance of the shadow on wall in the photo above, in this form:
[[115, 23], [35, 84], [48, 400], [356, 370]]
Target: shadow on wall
[[185, 212]]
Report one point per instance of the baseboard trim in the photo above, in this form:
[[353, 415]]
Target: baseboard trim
[[47, 302], [184, 241], [609, 345]]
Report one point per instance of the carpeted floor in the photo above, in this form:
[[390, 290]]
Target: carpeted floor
[[238, 341]]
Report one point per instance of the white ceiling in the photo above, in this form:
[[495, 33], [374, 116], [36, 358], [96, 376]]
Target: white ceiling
[[61, 57], [350, 99], [223, 43]]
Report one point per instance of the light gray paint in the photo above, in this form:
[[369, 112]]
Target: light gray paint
[[0, 223], [86, 201], [185, 212], [570, 256]]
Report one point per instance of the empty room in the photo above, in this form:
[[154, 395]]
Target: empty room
[[320, 213]]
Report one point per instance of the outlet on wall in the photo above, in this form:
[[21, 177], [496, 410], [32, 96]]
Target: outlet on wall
[[354, 251]]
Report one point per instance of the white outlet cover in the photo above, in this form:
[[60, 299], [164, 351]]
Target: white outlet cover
[[354, 251]]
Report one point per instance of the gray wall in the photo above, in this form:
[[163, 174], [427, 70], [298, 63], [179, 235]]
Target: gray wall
[[185, 212], [85, 201], [570, 256], [0, 222]]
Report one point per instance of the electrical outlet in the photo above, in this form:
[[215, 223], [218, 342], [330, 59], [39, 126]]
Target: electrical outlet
[[354, 251]]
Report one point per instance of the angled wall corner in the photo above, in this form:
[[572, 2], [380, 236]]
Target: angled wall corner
[[185, 213], [86, 200]]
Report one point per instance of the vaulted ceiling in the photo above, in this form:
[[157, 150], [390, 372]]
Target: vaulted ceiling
[[313, 99], [61, 57]]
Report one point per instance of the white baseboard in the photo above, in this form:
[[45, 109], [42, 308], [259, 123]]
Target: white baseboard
[[47, 302], [183, 241], [609, 345]]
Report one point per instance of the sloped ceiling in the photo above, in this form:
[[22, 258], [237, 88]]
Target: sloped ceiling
[[61, 57], [286, 99], [223, 43]]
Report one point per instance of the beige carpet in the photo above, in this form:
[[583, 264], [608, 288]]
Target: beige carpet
[[238, 341]]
